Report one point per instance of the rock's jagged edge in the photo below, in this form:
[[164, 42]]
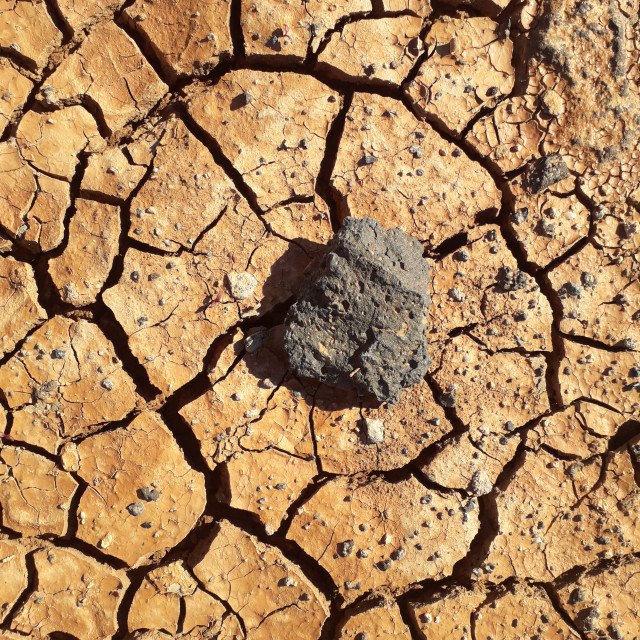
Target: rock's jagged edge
[[360, 320]]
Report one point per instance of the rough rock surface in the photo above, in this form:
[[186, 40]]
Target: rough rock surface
[[64, 382], [111, 514], [378, 534], [272, 594], [360, 320]]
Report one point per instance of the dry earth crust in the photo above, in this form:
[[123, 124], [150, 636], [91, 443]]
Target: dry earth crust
[[170, 174]]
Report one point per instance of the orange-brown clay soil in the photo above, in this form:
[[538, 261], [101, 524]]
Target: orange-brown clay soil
[[169, 169]]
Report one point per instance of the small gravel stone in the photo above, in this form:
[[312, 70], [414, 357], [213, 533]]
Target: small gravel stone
[[241, 285], [480, 484], [374, 431], [135, 508], [345, 548], [148, 494]]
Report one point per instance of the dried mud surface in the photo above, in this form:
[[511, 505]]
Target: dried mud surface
[[169, 172]]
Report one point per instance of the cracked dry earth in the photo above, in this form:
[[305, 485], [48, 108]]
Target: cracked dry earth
[[168, 170]]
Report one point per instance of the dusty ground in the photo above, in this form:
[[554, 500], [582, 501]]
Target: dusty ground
[[168, 168]]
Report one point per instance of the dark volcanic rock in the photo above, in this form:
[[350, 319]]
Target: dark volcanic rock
[[360, 321], [546, 172]]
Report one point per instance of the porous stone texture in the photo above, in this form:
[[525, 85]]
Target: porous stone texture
[[174, 307], [27, 30], [601, 600], [273, 594], [271, 126], [360, 320], [599, 298], [382, 51], [469, 68], [108, 69], [81, 270], [34, 204], [398, 170], [34, 493], [21, 311], [276, 28], [383, 535], [381, 621], [71, 594], [481, 287], [188, 37], [110, 463], [14, 575], [64, 382]]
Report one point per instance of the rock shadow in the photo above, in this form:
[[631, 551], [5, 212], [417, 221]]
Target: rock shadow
[[264, 351]]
